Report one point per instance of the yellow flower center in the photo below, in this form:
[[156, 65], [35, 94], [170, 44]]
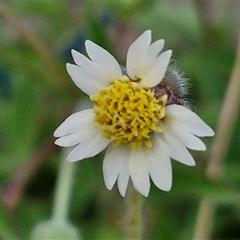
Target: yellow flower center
[[127, 113]]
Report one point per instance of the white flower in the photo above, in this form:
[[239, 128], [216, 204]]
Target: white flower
[[142, 131]]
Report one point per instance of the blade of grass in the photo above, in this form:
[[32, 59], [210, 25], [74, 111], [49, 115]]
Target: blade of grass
[[227, 118], [58, 75]]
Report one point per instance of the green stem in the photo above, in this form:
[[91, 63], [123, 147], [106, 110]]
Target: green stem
[[133, 224], [63, 190]]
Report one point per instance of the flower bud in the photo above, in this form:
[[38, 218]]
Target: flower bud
[[55, 230], [174, 85]]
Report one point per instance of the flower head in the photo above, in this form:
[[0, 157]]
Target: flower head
[[139, 115]]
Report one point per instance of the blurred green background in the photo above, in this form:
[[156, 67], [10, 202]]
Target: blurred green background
[[36, 94]]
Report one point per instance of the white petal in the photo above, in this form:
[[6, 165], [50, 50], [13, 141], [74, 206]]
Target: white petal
[[179, 128], [86, 82], [81, 60], [89, 148], [185, 137], [123, 179], [144, 63], [124, 174], [92, 70], [155, 48], [157, 71], [116, 166], [69, 140], [184, 118], [138, 168], [182, 155], [178, 151], [112, 165], [189, 140], [84, 132], [136, 53], [105, 59], [74, 122], [160, 168], [149, 58]]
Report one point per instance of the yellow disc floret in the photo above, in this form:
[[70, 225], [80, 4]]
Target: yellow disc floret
[[127, 113]]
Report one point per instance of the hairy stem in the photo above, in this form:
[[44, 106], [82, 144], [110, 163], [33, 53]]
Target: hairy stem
[[63, 190], [133, 224]]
